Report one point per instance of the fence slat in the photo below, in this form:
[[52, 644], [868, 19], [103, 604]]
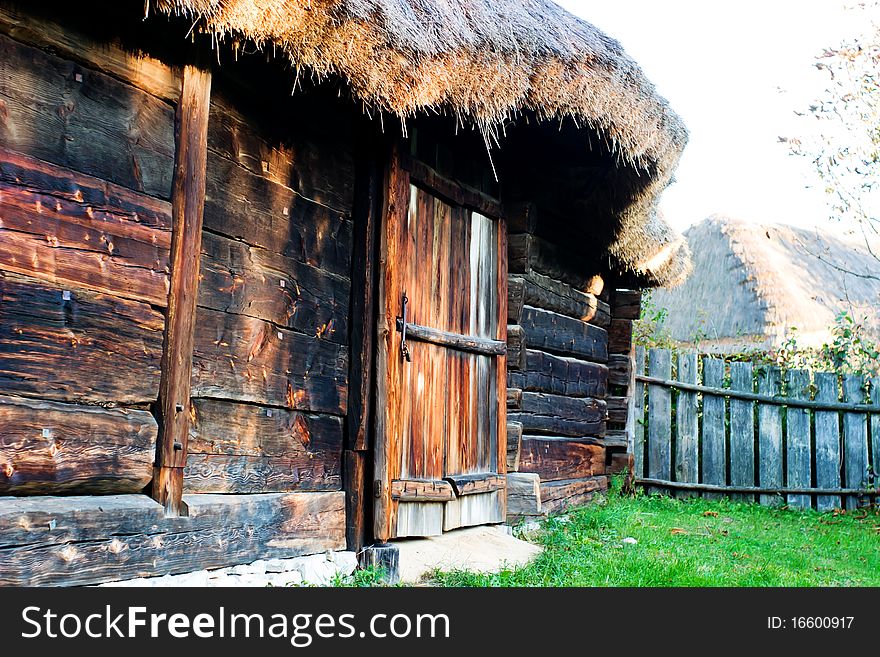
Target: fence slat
[[639, 411], [687, 456], [827, 442], [797, 447], [742, 431], [660, 413], [855, 439], [770, 435], [714, 447], [875, 435]]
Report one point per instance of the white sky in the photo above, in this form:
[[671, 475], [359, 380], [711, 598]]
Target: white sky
[[735, 72]]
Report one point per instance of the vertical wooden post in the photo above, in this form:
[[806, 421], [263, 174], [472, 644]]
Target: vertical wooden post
[[187, 206]]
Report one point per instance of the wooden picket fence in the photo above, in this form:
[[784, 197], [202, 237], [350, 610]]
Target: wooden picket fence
[[703, 426]]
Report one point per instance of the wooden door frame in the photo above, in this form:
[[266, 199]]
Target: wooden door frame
[[401, 171]]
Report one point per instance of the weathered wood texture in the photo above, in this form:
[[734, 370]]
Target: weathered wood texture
[[246, 448], [619, 369], [246, 280], [554, 457], [639, 415], [798, 448], [50, 448], [292, 199], [514, 445], [714, 445], [660, 414], [72, 230], [560, 375], [516, 348], [558, 415], [81, 119], [187, 211], [523, 495], [828, 461], [541, 291], [855, 438], [442, 409], [115, 58], [87, 540], [271, 357], [786, 444], [248, 359], [620, 336], [474, 484], [626, 304], [770, 472], [412, 490], [563, 335], [557, 496], [76, 345], [528, 254], [354, 465], [687, 455], [742, 430]]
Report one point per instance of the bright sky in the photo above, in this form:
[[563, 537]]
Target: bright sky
[[735, 72]]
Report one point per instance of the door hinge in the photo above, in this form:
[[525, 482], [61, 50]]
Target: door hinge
[[378, 489]]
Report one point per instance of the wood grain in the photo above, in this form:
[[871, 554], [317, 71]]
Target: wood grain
[[81, 119], [89, 347], [770, 473], [828, 456], [798, 450], [560, 375], [247, 359], [563, 335], [69, 229], [187, 211], [49, 448], [70, 541], [555, 457]]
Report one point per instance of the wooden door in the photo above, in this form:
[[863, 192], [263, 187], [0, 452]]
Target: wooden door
[[441, 366]]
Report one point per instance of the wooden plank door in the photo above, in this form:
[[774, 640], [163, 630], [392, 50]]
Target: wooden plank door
[[441, 366]]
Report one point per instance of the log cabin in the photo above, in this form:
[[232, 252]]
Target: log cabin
[[280, 277]]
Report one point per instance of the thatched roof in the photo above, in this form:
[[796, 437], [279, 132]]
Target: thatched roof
[[753, 283], [484, 61]]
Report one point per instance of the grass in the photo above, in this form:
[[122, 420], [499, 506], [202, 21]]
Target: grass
[[695, 543]]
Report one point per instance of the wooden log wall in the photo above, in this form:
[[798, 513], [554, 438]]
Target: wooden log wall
[[86, 163], [270, 367], [560, 330], [87, 160]]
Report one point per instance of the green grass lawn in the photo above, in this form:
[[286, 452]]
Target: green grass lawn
[[695, 543]]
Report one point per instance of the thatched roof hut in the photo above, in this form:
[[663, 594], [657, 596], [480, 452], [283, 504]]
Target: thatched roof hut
[[313, 274], [487, 63], [755, 285]]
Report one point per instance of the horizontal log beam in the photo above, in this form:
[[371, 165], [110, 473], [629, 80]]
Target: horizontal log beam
[[69, 541], [565, 336], [50, 448], [539, 291]]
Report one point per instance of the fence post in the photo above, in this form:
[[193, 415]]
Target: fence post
[[797, 447], [827, 442], [660, 418], [687, 459], [875, 435], [714, 443], [855, 438], [742, 431], [639, 413], [770, 434]]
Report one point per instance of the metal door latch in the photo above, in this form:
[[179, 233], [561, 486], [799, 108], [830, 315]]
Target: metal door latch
[[404, 350]]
